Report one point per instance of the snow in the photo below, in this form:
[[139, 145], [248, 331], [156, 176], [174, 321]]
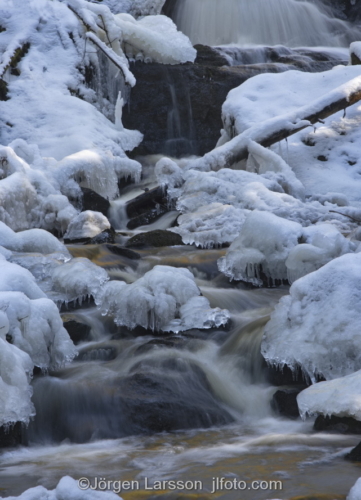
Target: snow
[[67, 489], [340, 397], [86, 225], [136, 8], [164, 299], [317, 326], [355, 492], [355, 48], [155, 39]]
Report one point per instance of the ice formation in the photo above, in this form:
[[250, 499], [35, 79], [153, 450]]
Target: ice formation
[[317, 326], [67, 489], [281, 249], [136, 8], [77, 279], [355, 49], [164, 299], [340, 397], [87, 225], [355, 492]]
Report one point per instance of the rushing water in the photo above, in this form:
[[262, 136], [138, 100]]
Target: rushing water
[[289, 22]]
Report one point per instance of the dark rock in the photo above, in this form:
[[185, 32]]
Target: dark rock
[[340, 425], [157, 395], [355, 60], [78, 332], [11, 436], [94, 201], [123, 252], [178, 107], [209, 56], [157, 238], [147, 218], [147, 201], [106, 236], [284, 376], [3, 90], [285, 402], [355, 454]]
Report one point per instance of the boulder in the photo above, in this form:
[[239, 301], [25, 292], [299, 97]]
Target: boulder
[[157, 238], [78, 332], [12, 436], [355, 454], [284, 402], [94, 201]]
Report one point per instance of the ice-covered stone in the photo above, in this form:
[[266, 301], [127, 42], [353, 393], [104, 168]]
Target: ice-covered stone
[[87, 225], [355, 492], [164, 299], [317, 326]]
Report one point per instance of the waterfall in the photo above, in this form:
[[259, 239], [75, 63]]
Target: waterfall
[[289, 22]]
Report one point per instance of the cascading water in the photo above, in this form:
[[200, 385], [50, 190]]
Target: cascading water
[[289, 22]]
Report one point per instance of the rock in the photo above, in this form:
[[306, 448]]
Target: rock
[[123, 252], [340, 425], [157, 238], [93, 201], [355, 454], [146, 202], [78, 332], [12, 436], [147, 218], [86, 226], [107, 236], [355, 60], [98, 353], [173, 341], [284, 376], [209, 56], [285, 402]]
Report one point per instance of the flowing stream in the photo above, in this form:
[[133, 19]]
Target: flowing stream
[[100, 417]]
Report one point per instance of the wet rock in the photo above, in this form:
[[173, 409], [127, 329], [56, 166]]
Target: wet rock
[[78, 332], [284, 376], [106, 236], [94, 201], [209, 56], [355, 60], [355, 454], [157, 238], [172, 341], [285, 402], [11, 436], [147, 218], [123, 252], [147, 201], [340, 425]]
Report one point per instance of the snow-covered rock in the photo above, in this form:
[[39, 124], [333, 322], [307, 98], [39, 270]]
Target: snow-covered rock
[[340, 397], [77, 279], [355, 52], [67, 489], [87, 225], [164, 299], [317, 326], [281, 249]]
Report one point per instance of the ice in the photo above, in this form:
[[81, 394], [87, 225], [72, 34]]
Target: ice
[[263, 246], [168, 173], [86, 225], [281, 249], [214, 204], [67, 489], [317, 326], [77, 280], [164, 299], [155, 38], [340, 397], [14, 278], [355, 492]]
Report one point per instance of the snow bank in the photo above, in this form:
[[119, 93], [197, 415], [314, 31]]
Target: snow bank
[[164, 299], [136, 8], [317, 326], [339, 397], [280, 249], [87, 225], [67, 489], [355, 492]]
